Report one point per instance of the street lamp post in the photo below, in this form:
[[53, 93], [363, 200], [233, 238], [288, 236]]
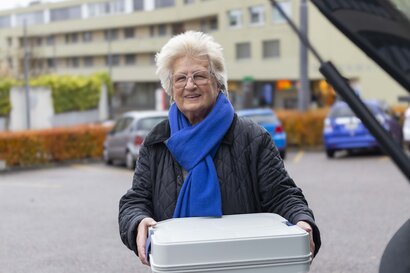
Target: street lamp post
[[304, 88], [26, 75]]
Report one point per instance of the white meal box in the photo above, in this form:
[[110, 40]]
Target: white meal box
[[257, 243]]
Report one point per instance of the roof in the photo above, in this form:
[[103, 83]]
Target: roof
[[255, 111], [145, 114]]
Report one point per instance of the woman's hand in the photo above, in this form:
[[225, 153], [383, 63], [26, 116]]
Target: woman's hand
[[306, 227], [142, 238]]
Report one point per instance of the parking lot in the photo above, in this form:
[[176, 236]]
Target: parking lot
[[64, 219]]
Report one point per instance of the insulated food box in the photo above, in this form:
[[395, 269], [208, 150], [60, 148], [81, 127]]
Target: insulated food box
[[243, 243]]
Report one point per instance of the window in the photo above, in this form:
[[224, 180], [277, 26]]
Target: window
[[209, 24], [31, 18], [235, 18], [151, 31], [178, 28], [130, 59], [187, 2], [271, 49], [72, 62], [152, 58], [88, 61], [106, 8], [87, 36], [38, 41], [71, 38], [51, 63], [50, 40], [257, 15], [63, 14], [113, 59], [138, 4], [213, 23], [111, 34], [164, 3], [5, 21], [129, 33], [10, 62], [286, 7], [243, 51], [162, 30], [9, 41]]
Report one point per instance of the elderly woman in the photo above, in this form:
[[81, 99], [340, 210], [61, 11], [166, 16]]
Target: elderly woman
[[205, 160]]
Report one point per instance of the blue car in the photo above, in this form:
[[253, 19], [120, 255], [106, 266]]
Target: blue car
[[266, 118], [344, 131]]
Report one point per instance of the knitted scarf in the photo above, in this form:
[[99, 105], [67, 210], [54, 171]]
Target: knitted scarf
[[193, 147]]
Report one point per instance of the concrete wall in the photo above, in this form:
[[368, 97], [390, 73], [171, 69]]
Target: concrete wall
[[41, 108], [42, 115]]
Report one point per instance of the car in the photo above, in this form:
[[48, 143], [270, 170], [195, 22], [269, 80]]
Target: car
[[406, 128], [124, 141], [267, 118], [344, 131]]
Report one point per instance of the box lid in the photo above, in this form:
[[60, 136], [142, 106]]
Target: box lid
[[232, 240]]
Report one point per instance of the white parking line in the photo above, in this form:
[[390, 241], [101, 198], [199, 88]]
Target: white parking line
[[298, 156]]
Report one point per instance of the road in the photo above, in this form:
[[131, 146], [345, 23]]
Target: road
[[64, 219]]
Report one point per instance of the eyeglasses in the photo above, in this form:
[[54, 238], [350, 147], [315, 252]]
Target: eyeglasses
[[199, 78]]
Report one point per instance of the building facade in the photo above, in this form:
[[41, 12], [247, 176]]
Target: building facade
[[123, 36]]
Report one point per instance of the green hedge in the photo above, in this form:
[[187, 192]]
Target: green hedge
[[5, 105], [69, 93]]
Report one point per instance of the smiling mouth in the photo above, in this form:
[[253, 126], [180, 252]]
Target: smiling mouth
[[192, 96]]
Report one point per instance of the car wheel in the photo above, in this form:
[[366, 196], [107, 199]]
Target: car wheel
[[106, 157], [330, 153], [282, 154], [129, 160]]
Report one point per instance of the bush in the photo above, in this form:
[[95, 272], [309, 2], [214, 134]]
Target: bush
[[303, 128], [74, 93], [52, 145], [5, 106], [69, 93]]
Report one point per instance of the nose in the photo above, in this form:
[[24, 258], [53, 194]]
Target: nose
[[190, 82]]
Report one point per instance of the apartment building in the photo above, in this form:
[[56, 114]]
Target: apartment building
[[122, 37]]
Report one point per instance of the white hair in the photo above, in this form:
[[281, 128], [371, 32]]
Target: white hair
[[192, 44]]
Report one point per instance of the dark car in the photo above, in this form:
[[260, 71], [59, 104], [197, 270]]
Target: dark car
[[124, 141], [343, 130], [267, 118]]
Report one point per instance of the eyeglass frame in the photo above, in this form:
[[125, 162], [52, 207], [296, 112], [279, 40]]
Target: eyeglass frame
[[187, 77]]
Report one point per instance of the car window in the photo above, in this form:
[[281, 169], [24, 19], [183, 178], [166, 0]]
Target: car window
[[345, 111], [147, 124], [122, 124], [262, 119]]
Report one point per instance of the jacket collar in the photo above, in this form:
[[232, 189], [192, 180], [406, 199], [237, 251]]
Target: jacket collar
[[162, 132]]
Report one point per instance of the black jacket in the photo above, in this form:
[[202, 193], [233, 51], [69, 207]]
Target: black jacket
[[251, 174]]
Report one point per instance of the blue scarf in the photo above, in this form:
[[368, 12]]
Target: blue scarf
[[194, 146]]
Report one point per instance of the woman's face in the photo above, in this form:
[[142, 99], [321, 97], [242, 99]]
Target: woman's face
[[196, 98]]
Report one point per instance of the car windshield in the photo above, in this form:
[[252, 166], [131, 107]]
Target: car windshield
[[345, 111], [263, 119], [147, 124]]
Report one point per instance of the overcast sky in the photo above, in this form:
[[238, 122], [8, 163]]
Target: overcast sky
[[6, 4]]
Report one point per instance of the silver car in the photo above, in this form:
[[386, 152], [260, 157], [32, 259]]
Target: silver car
[[124, 141], [406, 128]]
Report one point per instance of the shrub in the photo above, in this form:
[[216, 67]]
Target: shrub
[[69, 93], [52, 145], [5, 106], [303, 128]]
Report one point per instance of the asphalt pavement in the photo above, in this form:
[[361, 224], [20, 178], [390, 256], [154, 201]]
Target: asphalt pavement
[[64, 219]]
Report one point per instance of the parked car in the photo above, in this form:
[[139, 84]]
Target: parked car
[[124, 141], [267, 119], [344, 131], [406, 128]]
